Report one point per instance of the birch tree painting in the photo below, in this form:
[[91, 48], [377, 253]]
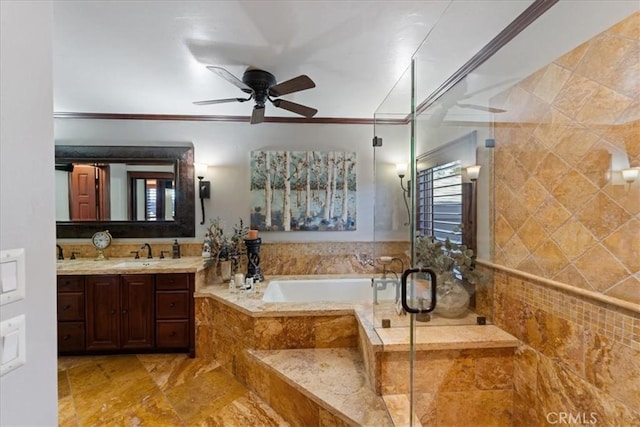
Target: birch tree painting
[[303, 190]]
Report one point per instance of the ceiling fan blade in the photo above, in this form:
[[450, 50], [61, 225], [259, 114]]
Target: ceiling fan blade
[[258, 115], [303, 110], [295, 84], [220, 101], [482, 108], [230, 78]]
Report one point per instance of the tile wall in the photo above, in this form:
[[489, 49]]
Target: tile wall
[[558, 212], [560, 215]]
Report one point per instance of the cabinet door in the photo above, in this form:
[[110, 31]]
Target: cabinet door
[[70, 337], [137, 292], [102, 302]]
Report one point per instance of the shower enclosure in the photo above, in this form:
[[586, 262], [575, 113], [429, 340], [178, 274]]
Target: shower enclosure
[[445, 115]]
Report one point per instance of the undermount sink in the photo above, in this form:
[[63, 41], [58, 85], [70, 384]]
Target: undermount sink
[[136, 264]]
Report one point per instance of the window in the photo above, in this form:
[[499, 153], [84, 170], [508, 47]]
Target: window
[[439, 202]]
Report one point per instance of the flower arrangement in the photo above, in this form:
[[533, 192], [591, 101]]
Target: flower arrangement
[[221, 247]]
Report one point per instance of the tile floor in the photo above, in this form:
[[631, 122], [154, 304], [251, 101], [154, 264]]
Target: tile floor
[[155, 390]]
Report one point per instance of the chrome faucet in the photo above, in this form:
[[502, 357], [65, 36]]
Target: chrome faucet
[[60, 253], [149, 254]]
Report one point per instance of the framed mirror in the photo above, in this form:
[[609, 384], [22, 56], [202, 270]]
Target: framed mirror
[[130, 191]]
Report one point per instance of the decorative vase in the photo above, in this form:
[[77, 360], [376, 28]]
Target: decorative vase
[[225, 270], [452, 299]]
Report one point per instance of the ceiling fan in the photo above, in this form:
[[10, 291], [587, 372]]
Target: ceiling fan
[[262, 86]]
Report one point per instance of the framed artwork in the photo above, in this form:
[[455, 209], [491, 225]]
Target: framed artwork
[[303, 190]]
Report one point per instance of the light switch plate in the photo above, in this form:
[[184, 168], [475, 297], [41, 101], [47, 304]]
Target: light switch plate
[[13, 344], [12, 275]]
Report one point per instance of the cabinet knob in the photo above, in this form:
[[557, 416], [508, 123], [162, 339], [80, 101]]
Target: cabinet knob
[[114, 311], [124, 311], [66, 307], [173, 304], [66, 337]]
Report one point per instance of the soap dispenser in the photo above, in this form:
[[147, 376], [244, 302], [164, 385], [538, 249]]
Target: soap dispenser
[[176, 249]]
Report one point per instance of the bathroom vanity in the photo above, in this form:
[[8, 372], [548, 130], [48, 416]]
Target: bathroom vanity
[[123, 306]]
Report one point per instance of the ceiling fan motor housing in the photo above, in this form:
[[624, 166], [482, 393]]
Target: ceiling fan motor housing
[[260, 81]]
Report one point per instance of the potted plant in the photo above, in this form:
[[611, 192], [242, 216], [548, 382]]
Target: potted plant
[[453, 263], [225, 251]]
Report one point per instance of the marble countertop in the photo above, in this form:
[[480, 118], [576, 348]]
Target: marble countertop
[[129, 266]]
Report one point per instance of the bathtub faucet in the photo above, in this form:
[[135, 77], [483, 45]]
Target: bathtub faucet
[[386, 261]]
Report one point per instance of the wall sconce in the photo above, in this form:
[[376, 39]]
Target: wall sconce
[[401, 170], [473, 172], [204, 187], [630, 174]]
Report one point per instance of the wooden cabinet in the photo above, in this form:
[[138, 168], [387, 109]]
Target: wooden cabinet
[[173, 311], [136, 297], [126, 313], [119, 312], [70, 314]]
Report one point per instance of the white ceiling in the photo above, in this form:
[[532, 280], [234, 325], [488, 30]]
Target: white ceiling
[[150, 57]]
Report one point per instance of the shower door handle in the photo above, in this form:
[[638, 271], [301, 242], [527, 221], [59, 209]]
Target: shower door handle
[[432, 276]]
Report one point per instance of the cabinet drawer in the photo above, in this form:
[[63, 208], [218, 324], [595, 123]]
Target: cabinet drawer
[[172, 281], [70, 283], [172, 333], [70, 336], [70, 306], [172, 305]]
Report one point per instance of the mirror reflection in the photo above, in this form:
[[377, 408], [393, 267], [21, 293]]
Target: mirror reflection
[[131, 191]]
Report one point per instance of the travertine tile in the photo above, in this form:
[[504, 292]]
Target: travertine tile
[[548, 133], [604, 106], [551, 214], [627, 290], [603, 273], [574, 143], [532, 194], [551, 82], [603, 53], [573, 238], [515, 251], [398, 406], [66, 412], [483, 408], [602, 216], [515, 214], [624, 244], [570, 59], [531, 234], [614, 369], [574, 190], [549, 258], [551, 171]]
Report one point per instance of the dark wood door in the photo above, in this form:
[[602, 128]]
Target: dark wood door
[[102, 312], [137, 305]]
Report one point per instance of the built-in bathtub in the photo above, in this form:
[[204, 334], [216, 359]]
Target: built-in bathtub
[[357, 290], [314, 312]]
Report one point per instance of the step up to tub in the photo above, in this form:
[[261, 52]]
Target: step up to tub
[[319, 387]]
